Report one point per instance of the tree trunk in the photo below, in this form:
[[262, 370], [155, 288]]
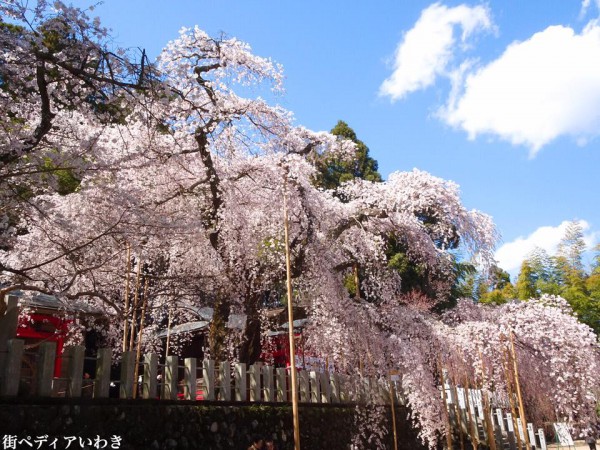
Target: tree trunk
[[250, 347], [217, 333]]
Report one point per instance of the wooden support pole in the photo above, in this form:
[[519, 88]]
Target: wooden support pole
[[510, 393], [290, 307], [169, 321], [474, 431], [445, 400], [140, 338], [393, 407], [518, 386], [356, 280], [489, 426], [461, 433], [136, 297], [126, 299]]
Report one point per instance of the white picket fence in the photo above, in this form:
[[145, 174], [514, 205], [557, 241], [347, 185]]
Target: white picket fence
[[187, 379]]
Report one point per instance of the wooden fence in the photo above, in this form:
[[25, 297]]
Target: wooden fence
[[187, 379], [496, 427]]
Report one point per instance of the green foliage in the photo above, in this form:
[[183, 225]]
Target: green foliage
[[563, 275], [495, 297], [333, 171], [526, 288], [496, 289], [63, 179], [465, 280]]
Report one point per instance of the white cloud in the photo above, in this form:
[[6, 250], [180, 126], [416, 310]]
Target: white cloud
[[428, 47], [511, 255], [585, 4], [536, 91]]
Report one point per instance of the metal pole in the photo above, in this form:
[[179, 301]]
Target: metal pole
[[288, 268]]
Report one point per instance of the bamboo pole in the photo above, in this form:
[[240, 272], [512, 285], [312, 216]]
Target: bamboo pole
[[170, 319], [288, 268], [126, 310], [474, 432], [444, 399], [392, 396], [356, 280], [457, 411], [486, 407], [135, 305], [140, 336], [518, 386], [509, 391]]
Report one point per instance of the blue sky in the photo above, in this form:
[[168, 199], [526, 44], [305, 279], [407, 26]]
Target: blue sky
[[501, 97]]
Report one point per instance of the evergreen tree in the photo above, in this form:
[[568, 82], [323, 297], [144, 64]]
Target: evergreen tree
[[526, 282], [332, 171]]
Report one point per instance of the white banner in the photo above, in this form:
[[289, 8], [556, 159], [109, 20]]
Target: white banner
[[520, 428], [562, 433], [531, 433], [542, 439], [471, 402], [509, 422], [500, 419], [460, 392], [478, 402]]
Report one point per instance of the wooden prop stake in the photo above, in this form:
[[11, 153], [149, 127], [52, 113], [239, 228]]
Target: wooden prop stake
[[170, 319], [457, 411], [509, 391], [126, 310], [518, 386], [473, 426], [288, 268], [445, 400], [140, 336], [135, 306], [486, 408], [392, 397], [356, 280]]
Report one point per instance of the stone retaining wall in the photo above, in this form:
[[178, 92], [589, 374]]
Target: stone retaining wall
[[190, 425]]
